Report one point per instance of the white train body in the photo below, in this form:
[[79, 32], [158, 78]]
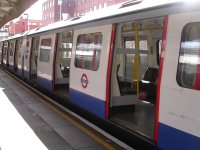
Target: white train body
[[144, 56]]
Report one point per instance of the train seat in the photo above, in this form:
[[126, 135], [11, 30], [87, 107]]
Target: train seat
[[125, 87], [148, 85], [65, 72]]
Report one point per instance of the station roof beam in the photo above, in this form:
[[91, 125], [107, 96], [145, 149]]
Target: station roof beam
[[10, 9]]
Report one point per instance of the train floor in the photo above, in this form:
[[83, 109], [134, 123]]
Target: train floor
[[64, 93], [29, 123], [141, 119]]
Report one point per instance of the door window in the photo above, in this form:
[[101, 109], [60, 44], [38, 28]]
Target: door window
[[188, 72], [88, 51], [45, 49]]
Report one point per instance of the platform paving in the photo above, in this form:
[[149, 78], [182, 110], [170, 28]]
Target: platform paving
[[28, 124]]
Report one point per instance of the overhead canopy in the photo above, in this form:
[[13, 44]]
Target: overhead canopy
[[10, 9]]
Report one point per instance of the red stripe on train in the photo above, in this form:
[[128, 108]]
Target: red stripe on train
[[109, 69], [159, 78]]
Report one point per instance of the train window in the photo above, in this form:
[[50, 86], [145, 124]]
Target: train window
[[27, 43], [88, 51], [45, 49], [11, 48], [126, 54], [20, 44], [188, 71], [1, 48], [36, 41], [5, 48]]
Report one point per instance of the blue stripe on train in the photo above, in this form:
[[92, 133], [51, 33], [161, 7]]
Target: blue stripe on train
[[19, 72], [45, 83], [26, 75], [170, 138], [92, 104], [11, 67]]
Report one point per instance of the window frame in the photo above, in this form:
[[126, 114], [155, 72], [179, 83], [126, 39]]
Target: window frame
[[94, 57], [184, 37], [48, 49]]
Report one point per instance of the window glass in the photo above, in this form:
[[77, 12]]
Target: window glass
[[1, 48], [12, 48], [20, 44], [27, 43], [5, 48], [188, 73], [45, 49], [88, 51], [129, 58]]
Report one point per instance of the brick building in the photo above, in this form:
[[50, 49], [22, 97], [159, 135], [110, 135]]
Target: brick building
[[51, 9], [22, 25]]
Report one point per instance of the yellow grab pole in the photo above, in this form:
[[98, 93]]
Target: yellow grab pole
[[136, 58]]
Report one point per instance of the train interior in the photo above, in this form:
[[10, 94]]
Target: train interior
[[34, 59], [134, 75], [62, 65]]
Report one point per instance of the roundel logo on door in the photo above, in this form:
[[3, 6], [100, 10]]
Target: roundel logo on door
[[84, 80]]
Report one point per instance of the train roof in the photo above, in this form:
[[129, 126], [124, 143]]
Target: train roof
[[116, 10], [119, 9], [16, 36]]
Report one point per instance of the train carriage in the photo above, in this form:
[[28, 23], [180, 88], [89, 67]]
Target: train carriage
[[137, 67]]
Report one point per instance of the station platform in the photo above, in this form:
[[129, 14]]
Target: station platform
[[26, 123]]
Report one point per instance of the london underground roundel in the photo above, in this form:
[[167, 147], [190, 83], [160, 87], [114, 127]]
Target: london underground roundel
[[84, 81]]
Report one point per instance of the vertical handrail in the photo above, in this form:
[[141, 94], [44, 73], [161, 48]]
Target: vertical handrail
[[136, 57]]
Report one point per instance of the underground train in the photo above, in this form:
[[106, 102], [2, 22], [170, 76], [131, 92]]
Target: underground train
[[136, 65]]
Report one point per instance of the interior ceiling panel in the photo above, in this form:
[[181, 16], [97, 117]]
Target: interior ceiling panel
[[10, 9]]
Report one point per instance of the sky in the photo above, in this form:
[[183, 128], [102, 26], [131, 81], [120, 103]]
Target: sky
[[34, 12]]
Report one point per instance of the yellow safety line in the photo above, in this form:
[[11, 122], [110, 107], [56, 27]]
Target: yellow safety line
[[70, 119], [84, 129]]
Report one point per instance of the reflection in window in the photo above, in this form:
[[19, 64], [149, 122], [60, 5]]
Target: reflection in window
[[188, 67], [88, 50], [45, 49]]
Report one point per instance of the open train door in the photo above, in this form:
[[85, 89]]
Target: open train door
[[16, 53], [34, 58], [62, 62], [20, 58], [11, 54], [134, 75], [5, 53]]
